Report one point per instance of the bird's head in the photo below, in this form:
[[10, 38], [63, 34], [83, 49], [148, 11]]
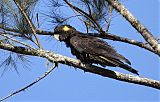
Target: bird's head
[[63, 32]]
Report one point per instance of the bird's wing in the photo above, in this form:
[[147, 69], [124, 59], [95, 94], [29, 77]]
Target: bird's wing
[[95, 46]]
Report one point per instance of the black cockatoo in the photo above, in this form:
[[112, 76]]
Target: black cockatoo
[[89, 49]]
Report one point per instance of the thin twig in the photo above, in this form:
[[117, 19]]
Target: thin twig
[[31, 84], [110, 9], [86, 15], [85, 22], [30, 23], [27, 45]]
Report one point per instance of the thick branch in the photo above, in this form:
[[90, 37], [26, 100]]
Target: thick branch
[[135, 23], [76, 63]]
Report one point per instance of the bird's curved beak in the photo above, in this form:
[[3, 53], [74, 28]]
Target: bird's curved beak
[[56, 36]]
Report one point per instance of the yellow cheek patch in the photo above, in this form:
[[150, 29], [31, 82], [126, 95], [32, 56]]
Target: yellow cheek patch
[[65, 28]]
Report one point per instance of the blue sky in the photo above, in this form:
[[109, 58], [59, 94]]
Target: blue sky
[[66, 84]]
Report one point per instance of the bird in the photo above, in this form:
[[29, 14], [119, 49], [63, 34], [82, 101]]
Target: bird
[[90, 49]]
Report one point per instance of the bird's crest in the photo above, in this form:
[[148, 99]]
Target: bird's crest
[[66, 28]]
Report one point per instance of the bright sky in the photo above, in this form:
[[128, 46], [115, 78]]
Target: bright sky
[[66, 84]]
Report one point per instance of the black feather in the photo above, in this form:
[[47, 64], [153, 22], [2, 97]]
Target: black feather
[[92, 50]]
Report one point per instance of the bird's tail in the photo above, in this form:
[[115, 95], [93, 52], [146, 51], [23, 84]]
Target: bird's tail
[[116, 63], [127, 67]]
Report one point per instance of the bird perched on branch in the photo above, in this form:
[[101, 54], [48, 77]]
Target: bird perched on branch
[[90, 49]]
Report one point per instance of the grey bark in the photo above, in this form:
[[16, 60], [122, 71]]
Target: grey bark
[[76, 63]]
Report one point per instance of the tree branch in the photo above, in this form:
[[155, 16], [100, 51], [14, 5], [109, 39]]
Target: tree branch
[[82, 12], [126, 40], [105, 36], [31, 84], [111, 37], [30, 23], [87, 68], [136, 24], [14, 40]]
